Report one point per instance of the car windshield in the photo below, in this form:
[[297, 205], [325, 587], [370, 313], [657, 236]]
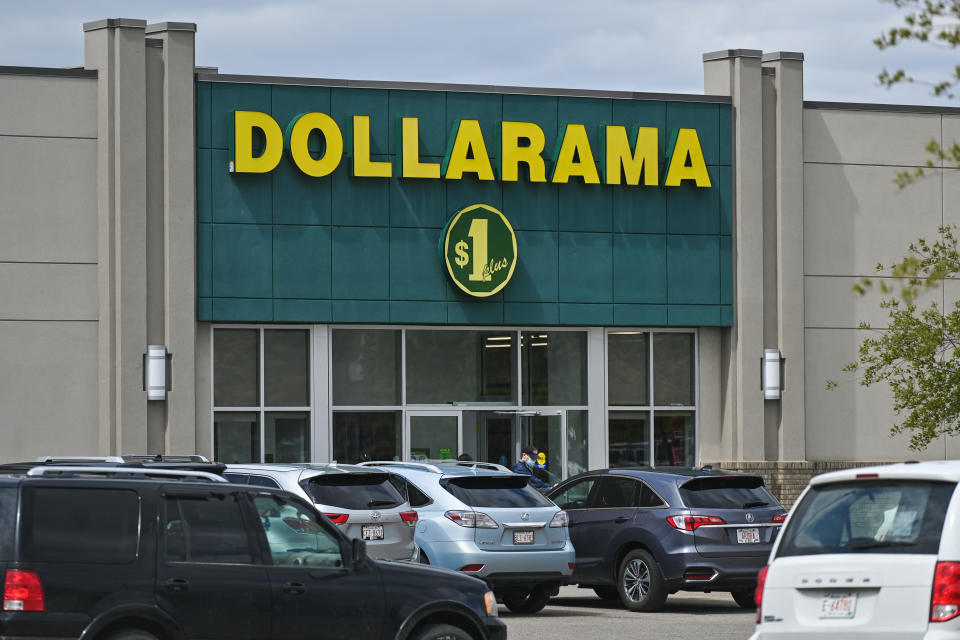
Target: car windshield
[[726, 492], [356, 491], [868, 516], [495, 491]]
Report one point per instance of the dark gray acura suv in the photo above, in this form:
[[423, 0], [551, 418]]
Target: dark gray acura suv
[[642, 534]]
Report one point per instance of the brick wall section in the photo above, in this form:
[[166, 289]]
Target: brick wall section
[[786, 480]]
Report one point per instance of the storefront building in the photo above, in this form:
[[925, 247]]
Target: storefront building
[[346, 270]]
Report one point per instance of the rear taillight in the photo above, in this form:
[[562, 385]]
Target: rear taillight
[[779, 518], [22, 591], [945, 601], [560, 519], [689, 523], [472, 519], [338, 518], [410, 517], [758, 592]]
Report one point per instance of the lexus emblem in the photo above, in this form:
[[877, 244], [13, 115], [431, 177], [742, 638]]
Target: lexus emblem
[[749, 517], [376, 515], [524, 516]]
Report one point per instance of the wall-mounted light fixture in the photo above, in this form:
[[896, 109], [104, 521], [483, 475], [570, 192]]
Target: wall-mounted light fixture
[[155, 376], [771, 378]]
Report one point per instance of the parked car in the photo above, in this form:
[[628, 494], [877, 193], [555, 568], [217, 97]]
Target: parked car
[[872, 552], [642, 534], [132, 553], [361, 501], [491, 524]]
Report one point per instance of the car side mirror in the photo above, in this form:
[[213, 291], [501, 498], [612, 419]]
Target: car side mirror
[[358, 553]]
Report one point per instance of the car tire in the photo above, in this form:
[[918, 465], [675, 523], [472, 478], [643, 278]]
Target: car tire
[[639, 582], [131, 634], [441, 632], [607, 593], [744, 598], [530, 602]]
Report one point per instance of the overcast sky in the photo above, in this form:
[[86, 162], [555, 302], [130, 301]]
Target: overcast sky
[[634, 45]]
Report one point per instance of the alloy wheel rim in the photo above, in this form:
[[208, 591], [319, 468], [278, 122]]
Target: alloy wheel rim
[[636, 580]]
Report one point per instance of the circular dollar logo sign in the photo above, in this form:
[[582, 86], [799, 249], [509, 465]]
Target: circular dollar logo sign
[[480, 250]]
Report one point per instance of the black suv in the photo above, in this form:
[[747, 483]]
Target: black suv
[[133, 553]]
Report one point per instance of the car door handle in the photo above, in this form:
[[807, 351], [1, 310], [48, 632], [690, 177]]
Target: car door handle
[[620, 519], [177, 584], [294, 588]]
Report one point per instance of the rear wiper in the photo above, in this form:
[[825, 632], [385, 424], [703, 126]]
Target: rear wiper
[[877, 544], [380, 503], [758, 503]]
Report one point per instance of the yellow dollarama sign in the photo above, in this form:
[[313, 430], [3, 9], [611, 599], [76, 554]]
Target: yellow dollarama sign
[[626, 157]]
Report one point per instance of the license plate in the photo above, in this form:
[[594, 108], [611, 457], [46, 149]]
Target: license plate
[[748, 536], [838, 605], [523, 537], [371, 532]]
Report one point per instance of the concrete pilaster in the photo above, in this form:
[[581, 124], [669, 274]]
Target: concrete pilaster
[[737, 73], [788, 163], [115, 48], [177, 242]]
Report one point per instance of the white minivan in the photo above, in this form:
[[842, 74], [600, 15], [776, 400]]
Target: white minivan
[[872, 552]]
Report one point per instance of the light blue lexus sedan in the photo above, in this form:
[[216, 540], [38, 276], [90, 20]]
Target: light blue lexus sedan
[[488, 523]]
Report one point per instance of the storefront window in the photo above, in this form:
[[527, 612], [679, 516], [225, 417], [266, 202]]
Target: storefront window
[[286, 368], [673, 369], [236, 366], [236, 436], [629, 439], [576, 442], [285, 372], [627, 364], [366, 435], [366, 367], [434, 437], [554, 368], [286, 437], [446, 367], [674, 437]]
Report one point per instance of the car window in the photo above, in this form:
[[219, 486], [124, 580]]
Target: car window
[[263, 481], [81, 525], [648, 498], [237, 478], [726, 492], [575, 495], [873, 516], [616, 492], [295, 534], [8, 519], [353, 490], [506, 491], [208, 529], [415, 497]]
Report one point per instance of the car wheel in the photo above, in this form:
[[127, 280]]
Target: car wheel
[[607, 593], [131, 634], [744, 598], [441, 632], [639, 582], [530, 602]]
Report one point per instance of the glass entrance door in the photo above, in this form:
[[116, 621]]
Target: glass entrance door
[[433, 435], [545, 432]]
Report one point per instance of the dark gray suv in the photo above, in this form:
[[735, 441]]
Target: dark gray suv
[[642, 534]]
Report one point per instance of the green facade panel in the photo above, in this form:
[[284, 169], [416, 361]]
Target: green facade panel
[[283, 246]]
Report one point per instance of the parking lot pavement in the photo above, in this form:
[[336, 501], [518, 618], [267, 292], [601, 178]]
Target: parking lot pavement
[[579, 614]]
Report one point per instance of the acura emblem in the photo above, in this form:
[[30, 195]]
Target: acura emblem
[[524, 516], [749, 517], [375, 515]]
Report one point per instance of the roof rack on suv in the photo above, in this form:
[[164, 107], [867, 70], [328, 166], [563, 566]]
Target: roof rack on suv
[[165, 458], [124, 471], [489, 466], [426, 466], [54, 459]]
